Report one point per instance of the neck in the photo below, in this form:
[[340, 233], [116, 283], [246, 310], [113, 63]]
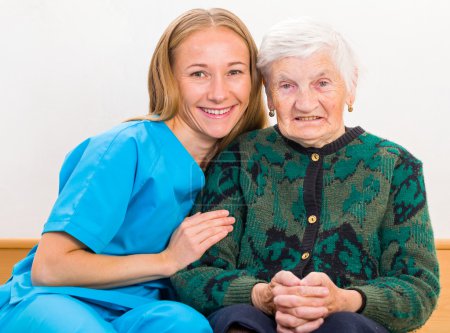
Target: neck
[[199, 146]]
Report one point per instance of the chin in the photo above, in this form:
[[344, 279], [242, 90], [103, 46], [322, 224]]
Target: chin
[[219, 133]]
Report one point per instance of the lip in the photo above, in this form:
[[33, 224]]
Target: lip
[[308, 119], [209, 112]]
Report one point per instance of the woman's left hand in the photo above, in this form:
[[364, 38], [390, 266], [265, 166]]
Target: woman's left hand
[[338, 299]]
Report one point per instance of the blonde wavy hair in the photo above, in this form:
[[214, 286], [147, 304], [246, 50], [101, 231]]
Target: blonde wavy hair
[[165, 98]]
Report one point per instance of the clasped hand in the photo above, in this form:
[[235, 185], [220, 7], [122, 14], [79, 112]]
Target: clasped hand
[[301, 305]]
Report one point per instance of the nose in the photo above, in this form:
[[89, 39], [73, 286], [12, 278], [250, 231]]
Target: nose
[[218, 90], [306, 100]]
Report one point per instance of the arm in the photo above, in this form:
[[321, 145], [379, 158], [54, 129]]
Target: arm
[[98, 181], [406, 292], [62, 260]]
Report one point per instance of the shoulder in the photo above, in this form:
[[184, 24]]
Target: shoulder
[[249, 141], [131, 134], [138, 130], [388, 149], [126, 141]]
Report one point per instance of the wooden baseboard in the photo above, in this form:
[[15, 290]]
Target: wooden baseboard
[[12, 250]]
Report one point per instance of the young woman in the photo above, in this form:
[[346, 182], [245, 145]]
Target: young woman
[[116, 232]]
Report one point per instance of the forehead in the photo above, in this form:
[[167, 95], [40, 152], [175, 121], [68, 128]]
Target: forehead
[[316, 65], [209, 43]]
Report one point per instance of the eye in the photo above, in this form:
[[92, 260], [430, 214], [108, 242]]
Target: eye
[[285, 86], [234, 72], [324, 83], [198, 74]]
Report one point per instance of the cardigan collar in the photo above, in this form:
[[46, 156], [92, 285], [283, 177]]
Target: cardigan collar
[[350, 134]]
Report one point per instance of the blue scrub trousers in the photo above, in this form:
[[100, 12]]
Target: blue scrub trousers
[[51, 313]]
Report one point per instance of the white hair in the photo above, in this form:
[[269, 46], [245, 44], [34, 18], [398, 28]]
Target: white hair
[[303, 37]]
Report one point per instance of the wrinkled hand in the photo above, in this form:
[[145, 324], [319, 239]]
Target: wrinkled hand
[[263, 293], [338, 299], [299, 307], [303, 308], [195, 235]]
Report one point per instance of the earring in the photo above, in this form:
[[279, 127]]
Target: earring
[[350, 108], [271, 113]]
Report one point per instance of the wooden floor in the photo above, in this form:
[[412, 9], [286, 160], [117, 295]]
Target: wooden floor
[[12, 250]]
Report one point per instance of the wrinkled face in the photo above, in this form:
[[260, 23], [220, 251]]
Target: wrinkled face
[[212, 69], [309, 96]]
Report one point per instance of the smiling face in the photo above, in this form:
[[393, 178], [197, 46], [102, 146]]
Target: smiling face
[[309, 96], [212, 69]]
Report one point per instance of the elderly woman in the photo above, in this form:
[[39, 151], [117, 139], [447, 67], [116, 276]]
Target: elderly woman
[[332, 230]]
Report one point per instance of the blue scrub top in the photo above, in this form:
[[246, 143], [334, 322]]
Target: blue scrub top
[[122, 192]]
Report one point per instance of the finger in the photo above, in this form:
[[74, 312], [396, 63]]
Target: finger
[[313, 291], [281, 329], [287, 301], [283, 290], [291, 301], [287, 320], [211, 215], [210, 241], [204, 229], [315, 279], [286, 278], [193, 229], [309, 326], [303, 291], [305, 312], [210, 232]]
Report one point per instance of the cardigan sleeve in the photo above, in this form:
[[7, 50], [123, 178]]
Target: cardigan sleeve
[[215, 280], [406, 291]]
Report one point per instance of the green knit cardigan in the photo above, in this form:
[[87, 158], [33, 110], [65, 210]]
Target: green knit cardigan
[[355, 209]]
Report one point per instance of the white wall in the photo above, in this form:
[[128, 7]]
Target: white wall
[[69, 69]]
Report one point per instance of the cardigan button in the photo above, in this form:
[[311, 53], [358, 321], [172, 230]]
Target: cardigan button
[[305, 255], [315, 157], [312, 219]]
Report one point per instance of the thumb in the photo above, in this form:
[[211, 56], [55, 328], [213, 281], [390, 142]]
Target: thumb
[[314, 279], [286, 278]]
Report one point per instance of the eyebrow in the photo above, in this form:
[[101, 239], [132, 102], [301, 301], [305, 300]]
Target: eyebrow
[[283, 76], [233, 63], [324, 73]]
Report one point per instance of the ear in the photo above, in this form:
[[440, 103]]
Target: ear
[[270, 104], [350, 100], [351, 95]]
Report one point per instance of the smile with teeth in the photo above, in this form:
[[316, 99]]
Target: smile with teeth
[[216, 111], [308, 118]]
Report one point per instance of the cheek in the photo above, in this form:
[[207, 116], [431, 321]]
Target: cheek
[[283, 106], [190, 93], [244, 89], [334, 108]]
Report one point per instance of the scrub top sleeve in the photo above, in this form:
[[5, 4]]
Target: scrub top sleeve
[[92, 203]]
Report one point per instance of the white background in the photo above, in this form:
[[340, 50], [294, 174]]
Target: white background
[[70, 69]]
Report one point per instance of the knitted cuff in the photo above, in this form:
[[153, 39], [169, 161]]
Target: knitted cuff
[[240, 290], [376, 305], [363, 297]]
